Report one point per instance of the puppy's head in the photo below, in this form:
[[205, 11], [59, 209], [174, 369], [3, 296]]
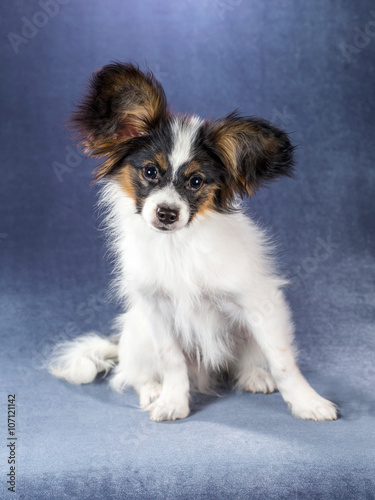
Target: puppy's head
[[174, 167]]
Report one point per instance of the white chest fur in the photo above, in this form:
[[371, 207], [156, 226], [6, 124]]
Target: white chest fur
[[198, 277]]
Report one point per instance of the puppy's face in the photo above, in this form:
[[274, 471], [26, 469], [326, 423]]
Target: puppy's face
[[174, 167], [171, 175]]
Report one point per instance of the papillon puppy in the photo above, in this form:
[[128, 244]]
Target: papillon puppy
[[201, 293]]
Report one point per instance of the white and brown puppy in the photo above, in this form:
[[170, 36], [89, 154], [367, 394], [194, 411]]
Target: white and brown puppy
[[200, 290]]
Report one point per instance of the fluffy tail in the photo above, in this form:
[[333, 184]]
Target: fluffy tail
[[79, 361]]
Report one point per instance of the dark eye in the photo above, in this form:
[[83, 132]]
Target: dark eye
[[150, 173], [195, 182]]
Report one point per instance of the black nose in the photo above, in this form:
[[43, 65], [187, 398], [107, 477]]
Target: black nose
[[167, 215]]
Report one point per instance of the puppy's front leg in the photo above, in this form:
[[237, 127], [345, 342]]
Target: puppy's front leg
[[173, 402], [270, 322]]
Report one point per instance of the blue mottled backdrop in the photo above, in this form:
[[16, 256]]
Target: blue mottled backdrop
[[309, 68]]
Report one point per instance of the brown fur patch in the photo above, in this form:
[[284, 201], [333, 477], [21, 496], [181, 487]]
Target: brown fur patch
[[240, 143], [126, 181], [209, 202], [122, 103], [193, 168], [229, 137], [112, 154], [160, 160]]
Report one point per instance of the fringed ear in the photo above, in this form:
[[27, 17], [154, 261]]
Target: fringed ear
[[253, 151], [122, 103]]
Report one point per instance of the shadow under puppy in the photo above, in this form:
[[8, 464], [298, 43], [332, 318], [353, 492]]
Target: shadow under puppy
[[195, 274]]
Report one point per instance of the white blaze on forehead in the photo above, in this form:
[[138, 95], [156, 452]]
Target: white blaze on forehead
[[184, 132]]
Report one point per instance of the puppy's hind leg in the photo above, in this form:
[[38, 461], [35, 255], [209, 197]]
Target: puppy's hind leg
[[269, 319], [251, 371]]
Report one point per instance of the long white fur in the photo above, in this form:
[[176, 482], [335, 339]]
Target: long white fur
[[201, 299]]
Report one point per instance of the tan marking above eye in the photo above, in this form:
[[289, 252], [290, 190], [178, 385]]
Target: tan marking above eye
[[196, 174], [193, 169], [159, 160]]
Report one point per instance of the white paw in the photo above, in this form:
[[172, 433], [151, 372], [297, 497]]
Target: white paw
[[314, 408], [259, 380], [163, 409], [148, 394]]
